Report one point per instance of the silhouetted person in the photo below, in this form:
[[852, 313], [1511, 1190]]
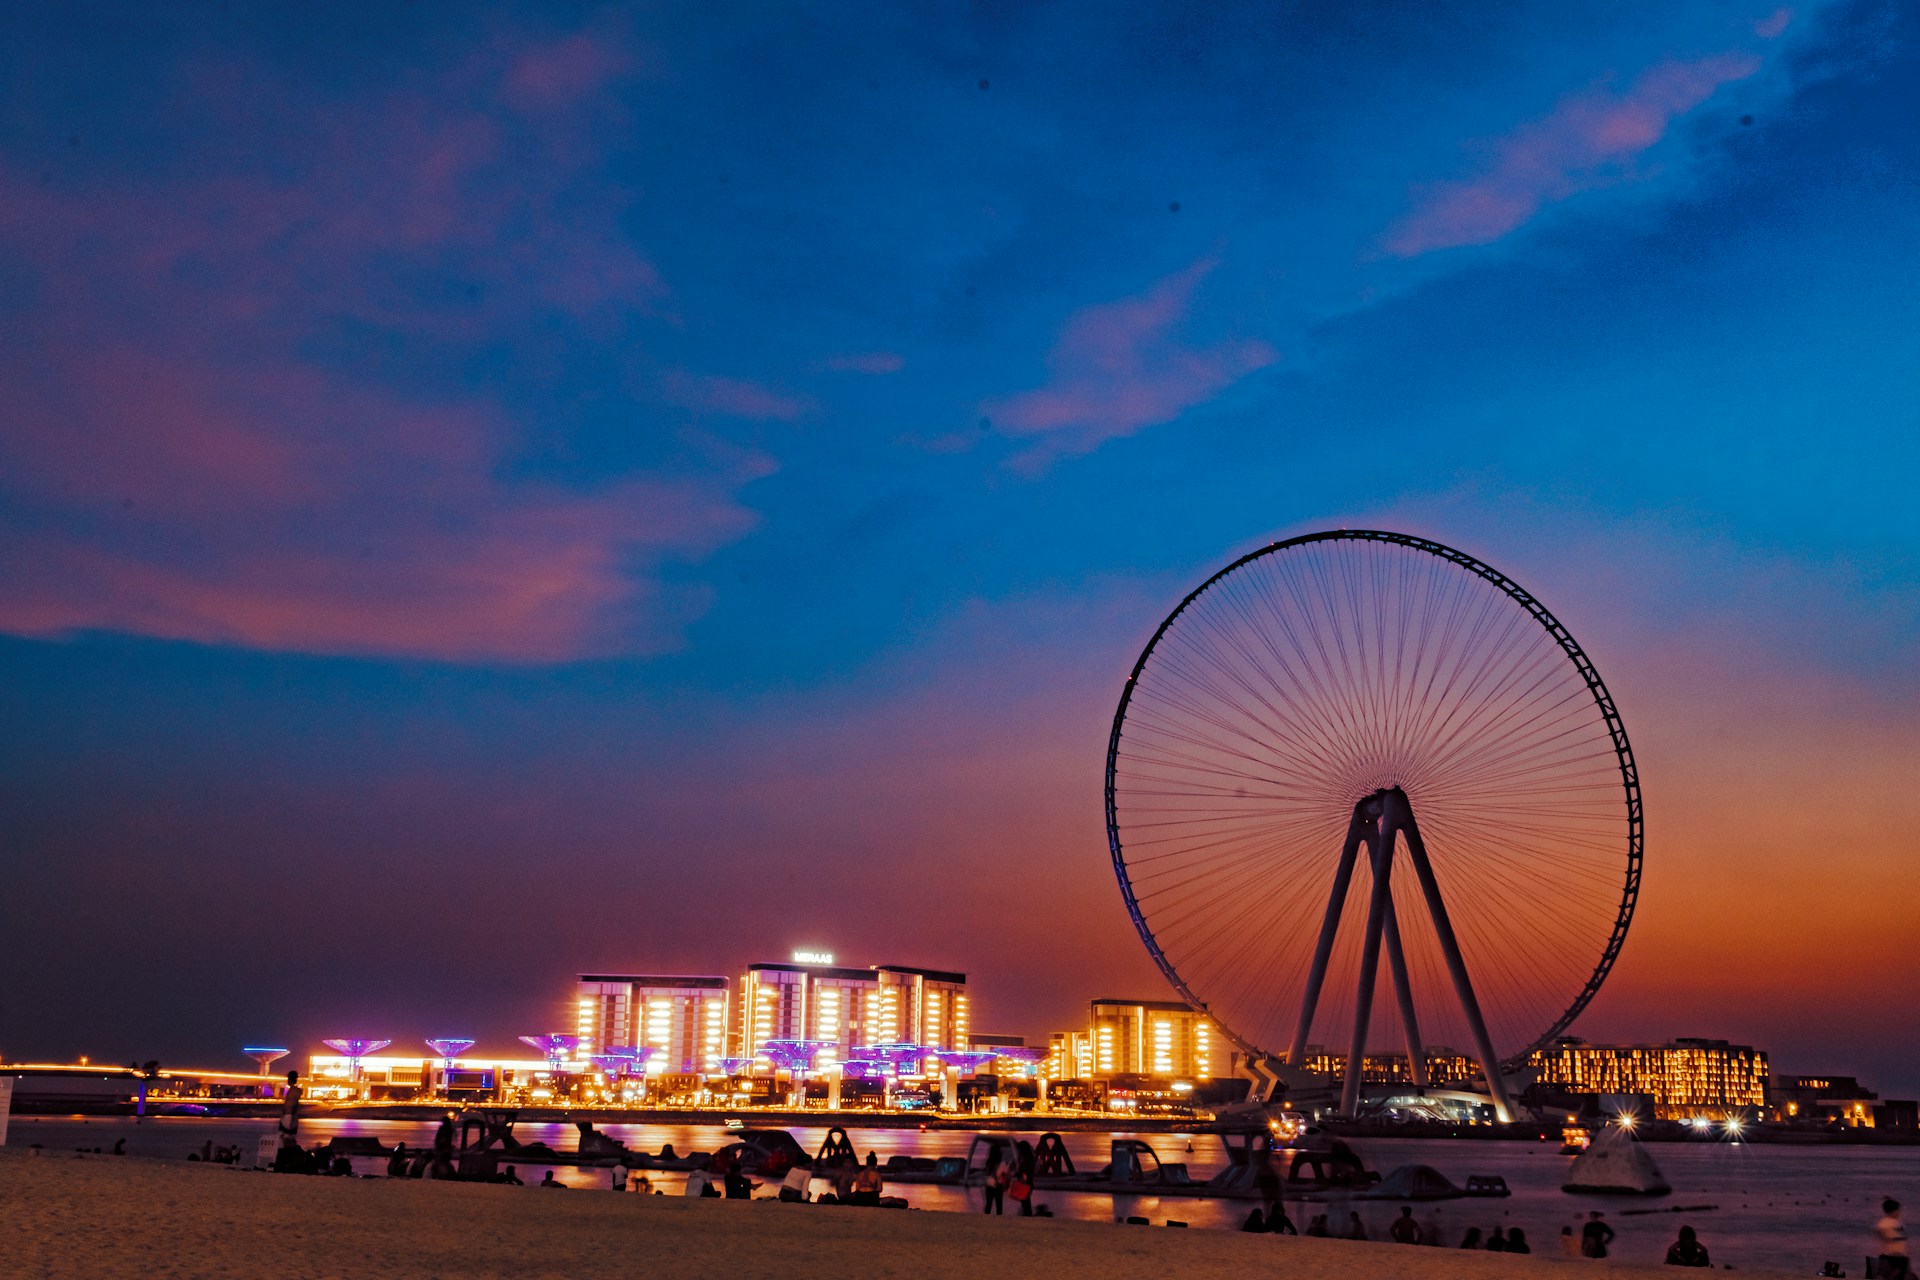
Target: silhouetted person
[[1595, 1237], [289, 1158], [999, 1178], [1497, 1242], [867, 1184], [1517, 1242], [1356, 1229], [551, 1181], [1471, 1240], [397, 1162], [1317, 1225], [120, 1147], [443, 1138], [1278, 1222], [1404, 1229], [512, 1177], [1687, 1251], [1256, 1221]]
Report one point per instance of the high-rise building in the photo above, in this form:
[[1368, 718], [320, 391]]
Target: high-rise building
[[1140, 1037], [683, 1019], [843, 1007], [1685, 1078]]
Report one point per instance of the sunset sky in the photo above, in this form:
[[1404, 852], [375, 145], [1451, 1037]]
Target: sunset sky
[[486, 495]]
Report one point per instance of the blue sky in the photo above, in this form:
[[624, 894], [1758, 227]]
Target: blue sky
[[663, 490]]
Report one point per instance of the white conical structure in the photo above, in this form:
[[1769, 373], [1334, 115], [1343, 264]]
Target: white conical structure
[[1616, 1164]]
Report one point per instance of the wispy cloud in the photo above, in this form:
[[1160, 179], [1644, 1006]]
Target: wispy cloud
[[1588, 140], [735, 397], [875, 362], [1121, 366]]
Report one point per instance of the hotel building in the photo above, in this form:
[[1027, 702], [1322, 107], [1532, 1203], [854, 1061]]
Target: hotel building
[[1139, 1037], [1685, 1078], [844, 1007], [683, 1019]]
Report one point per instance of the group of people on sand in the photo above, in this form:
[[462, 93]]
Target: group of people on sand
[[1593, 1239], [207, 1152], [853, 1183]]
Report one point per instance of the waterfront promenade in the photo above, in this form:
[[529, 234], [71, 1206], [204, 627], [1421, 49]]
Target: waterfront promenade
[[101, 1217]]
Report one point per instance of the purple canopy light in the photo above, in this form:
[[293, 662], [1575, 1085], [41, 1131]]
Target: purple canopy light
[[794, 1055], [624, 1060], [893, 1059], [449, 1048], [556, 1046], [354, 1050], [266, 1056]]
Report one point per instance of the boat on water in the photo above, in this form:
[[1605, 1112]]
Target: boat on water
[[1575, 1138], [1616, 1165]]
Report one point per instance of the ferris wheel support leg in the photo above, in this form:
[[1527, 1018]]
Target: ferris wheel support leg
[[1403, 990], [1323, 950], [1400, 815], [1381, 848]]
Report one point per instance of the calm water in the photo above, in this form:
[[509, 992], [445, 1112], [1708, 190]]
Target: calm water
[[1781, 1208]]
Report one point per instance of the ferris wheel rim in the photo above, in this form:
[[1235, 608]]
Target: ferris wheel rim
[[1589, 673]]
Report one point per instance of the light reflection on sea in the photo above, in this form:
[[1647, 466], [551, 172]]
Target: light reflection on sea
[[1786, 1208]]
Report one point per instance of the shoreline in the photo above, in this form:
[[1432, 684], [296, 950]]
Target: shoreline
[[1013, 1122]]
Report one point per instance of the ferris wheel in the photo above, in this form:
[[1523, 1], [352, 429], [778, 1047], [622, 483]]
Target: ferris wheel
[[1356, 744]]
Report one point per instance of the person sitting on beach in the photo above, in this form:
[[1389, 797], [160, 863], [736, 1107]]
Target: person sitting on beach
[[1317, 1226], [738, 1188], [1517, 1241], [120, 1147], [1356, 1229], [1471, 1240], [551, 1181], [1687, 1251], [1497, 1242], [512, 1177], [1278, 1223], [867, 1184], [795, 1186], [1595, 1237], [1404, 1229], [397, 1162]]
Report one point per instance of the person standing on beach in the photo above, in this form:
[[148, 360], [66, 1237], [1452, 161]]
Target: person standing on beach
[[1595, 1237], [1404, 1229], [290, 1159], [1356, 1229], [998, 1179], [1894, 1264]]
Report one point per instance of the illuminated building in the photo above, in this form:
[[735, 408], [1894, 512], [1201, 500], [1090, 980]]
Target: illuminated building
[[1444, 1066], [813, 999], [1823, 1100], [1685, 1078], [1158, 1038], [683, 1019]]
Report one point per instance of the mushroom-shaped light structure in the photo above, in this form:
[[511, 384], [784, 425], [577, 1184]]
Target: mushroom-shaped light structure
[[354, 1050], [797, 1056], [557, 1046], [891, 1059], [966, 1061], [266, 1056], [625, 1060], [449, 1048]]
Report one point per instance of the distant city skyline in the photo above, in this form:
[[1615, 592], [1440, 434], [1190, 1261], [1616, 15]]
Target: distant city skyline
[[485, 499]]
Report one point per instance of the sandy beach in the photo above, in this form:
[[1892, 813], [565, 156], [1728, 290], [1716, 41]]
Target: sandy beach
[[98, 1216]]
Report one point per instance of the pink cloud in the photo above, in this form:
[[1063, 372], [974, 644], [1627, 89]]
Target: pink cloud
[[1121, 366], [1587, 140], [874, 362], [280, 509], [560, 72], [735, 397], [1774, 25]]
